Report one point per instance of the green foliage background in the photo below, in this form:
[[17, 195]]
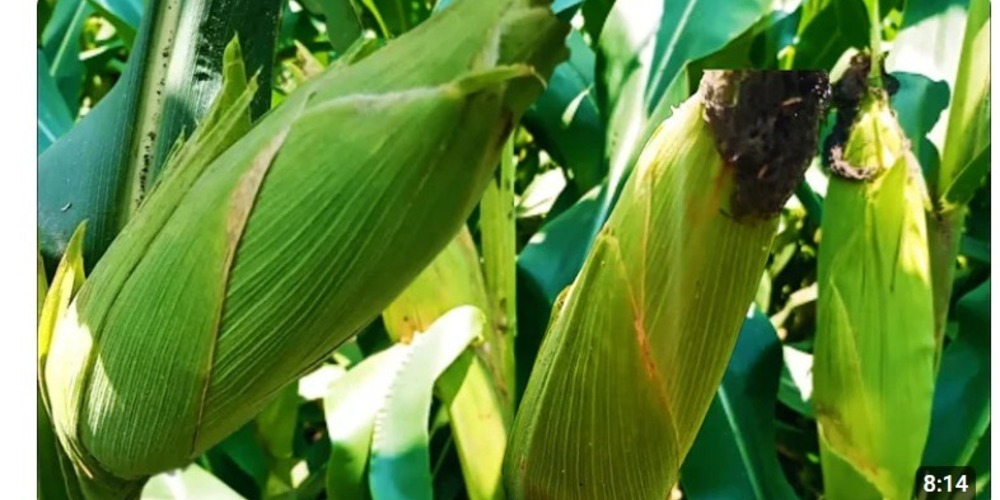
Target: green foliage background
[[573, 151]]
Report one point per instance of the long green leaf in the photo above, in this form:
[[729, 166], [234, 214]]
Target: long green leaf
[[828, 28], [478, 425], [473, 389], [919, 103], [370, 412], [399, 16], [350, 408], [240, 461], [276, 427], [188, 484], [961, 394], [103, 167], [565, 120], [734, 455], [400, 462], [61, 45], [928, 45], [343, 22], [125, 15], [969, 121], [54, 118]]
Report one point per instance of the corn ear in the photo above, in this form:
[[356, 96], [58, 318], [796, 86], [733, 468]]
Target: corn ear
[[640, 341], [239, 275], [873, 368]]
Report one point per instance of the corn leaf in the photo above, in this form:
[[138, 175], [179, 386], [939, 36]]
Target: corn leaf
[[54, 118], [822, 35], [565, 120], [187, 484], [350, 408], [478, 425], [961, 394], [400, 462], [124, 15], [102, 169], [276, 427], [396, 17], [969, 178], [60, 43], [343, 22], [734, 454], [370, 412], [919, 103], [241, 461], [969, 120], [928, 45], [473, 388], [981, 461]]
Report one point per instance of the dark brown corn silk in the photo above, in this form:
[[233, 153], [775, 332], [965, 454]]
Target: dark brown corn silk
[[766, 126], [847, 95]]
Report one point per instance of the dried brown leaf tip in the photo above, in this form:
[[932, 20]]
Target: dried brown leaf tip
[[847, 95], [766, 126]]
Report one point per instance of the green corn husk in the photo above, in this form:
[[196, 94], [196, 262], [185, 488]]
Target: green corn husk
[[239, 275], [638, 345], [873, 368]]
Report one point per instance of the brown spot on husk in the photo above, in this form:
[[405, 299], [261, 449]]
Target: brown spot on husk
[[847, 95], [766, 126]]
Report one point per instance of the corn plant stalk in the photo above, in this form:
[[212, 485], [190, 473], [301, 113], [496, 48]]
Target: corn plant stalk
[[873, 366], [500, 267], [638, 344], [238, 276], [963, 166]]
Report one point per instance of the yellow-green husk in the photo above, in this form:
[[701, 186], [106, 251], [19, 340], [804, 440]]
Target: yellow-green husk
[[638, 344], [873, 369]]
